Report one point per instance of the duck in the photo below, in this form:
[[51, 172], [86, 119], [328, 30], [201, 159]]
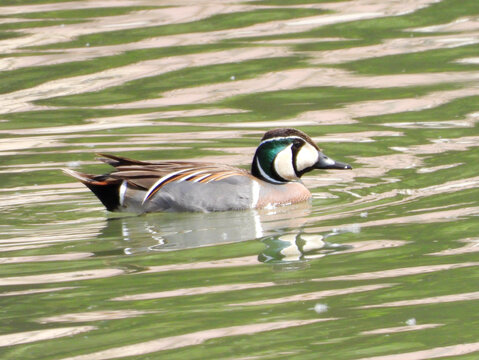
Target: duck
[[282, 157]]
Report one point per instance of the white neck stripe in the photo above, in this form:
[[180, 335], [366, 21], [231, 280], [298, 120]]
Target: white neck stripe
[[266, 176]]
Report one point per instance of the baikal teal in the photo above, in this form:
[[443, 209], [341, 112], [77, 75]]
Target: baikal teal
[[282, 157]]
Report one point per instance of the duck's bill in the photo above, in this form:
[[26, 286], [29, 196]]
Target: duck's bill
[[325, 162]]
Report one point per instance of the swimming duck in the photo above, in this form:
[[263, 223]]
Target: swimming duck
[[282, 157]]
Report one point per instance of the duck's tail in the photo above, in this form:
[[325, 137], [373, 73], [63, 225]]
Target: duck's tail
[[106, 189]]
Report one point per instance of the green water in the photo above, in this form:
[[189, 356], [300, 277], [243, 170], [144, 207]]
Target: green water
[[382, 264]]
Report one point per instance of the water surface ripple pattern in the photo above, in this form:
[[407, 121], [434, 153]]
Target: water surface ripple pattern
[[383, 264]]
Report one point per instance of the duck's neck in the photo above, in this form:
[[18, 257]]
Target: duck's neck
[[264, 170]]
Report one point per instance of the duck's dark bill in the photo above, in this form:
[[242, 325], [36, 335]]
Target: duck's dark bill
[[325, 162]]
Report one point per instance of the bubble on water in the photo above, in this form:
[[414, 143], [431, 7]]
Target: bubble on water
[[320, 308], [411, 322]]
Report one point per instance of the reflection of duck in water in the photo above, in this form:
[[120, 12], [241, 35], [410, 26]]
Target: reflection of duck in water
[[281, 158], [191, 230], [279, 229], [295, 246]]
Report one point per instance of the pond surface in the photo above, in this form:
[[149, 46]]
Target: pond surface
[[382, 264]]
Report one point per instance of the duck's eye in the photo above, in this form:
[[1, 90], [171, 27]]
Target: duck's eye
[[296, 145]]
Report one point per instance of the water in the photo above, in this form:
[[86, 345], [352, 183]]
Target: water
[[381, 265]]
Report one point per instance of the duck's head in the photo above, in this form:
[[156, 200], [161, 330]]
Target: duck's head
[[284, 155]]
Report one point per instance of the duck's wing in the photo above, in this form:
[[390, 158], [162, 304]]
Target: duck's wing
[[149, 177], [146, 174], [120, 161], [193, 174]]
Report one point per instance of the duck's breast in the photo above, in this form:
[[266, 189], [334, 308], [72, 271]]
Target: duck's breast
[[281, 194]]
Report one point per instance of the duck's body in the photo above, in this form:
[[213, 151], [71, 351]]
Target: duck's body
[[282, 157]]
